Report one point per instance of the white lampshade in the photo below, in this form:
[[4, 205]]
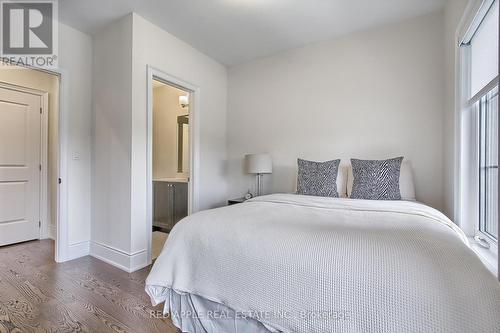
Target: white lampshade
[[258, 163]]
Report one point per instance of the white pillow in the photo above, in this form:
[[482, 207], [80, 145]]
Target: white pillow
[[342, 180], [406, 186]]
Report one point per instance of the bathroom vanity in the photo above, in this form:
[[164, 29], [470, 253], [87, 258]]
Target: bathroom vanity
[[170, 197]]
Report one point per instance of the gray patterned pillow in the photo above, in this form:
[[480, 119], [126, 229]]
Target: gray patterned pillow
[[318, 178], [376, 180]]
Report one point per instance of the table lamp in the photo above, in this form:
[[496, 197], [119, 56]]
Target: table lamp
[[258, 164]]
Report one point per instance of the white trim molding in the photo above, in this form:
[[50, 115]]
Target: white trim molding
[[487, 256], [78, 250], [194, 137], [62, 246], [44, 162], [62, 236], [129, 262]]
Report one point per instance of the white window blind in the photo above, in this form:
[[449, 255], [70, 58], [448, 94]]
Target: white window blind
[[484, 51]]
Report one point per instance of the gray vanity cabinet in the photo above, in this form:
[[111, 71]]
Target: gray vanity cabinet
[[170, 203]]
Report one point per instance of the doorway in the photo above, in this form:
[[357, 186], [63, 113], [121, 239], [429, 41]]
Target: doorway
[[29, 154], [171, 156], [170, 160]]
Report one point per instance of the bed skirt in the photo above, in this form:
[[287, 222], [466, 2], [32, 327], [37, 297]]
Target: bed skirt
[[195, 314]]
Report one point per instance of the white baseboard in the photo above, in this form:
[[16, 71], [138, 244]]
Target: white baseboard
[[129, 262], [78, 250]]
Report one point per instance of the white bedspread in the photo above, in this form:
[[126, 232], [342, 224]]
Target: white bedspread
[[311, 264]]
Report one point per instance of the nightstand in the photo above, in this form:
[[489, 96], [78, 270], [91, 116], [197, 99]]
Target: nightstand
[[235, 201]]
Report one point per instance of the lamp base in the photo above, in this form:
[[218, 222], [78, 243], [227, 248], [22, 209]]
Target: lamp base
[[258, 178]]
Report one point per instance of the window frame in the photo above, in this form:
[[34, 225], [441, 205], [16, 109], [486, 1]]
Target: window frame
[[468, 127], [479, 233]]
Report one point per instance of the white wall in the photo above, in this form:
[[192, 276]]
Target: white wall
[[75, 64], [112, 151], [122, 52], [156, 47], [166, 109], [75, 60], [371, 94], [453, 12]]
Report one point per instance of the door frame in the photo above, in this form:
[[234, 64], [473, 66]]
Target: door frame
[[62, 250], [194, 128], [43, 213]]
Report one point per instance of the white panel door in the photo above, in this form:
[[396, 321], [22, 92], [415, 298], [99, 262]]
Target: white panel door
[[20, 122]]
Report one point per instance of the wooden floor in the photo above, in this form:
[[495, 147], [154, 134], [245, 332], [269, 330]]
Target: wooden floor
[[83, 295]]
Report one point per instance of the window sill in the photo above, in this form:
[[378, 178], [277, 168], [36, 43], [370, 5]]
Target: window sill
[[488, 257]]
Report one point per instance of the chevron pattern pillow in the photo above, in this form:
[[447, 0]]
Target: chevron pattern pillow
[[318, 178], [376, 180]]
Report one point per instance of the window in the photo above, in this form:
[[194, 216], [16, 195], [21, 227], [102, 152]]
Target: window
[[480, 50], [488, 164]]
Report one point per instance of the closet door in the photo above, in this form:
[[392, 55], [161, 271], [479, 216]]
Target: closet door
[[20, 123]]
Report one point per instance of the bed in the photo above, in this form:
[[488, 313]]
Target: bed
[[295, 263]]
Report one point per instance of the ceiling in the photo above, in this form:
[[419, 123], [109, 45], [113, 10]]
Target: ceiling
[[236, 31]]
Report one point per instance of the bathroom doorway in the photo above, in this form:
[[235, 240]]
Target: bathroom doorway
[[171, 160]]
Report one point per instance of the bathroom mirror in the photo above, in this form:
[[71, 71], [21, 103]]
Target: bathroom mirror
[[183, 144]]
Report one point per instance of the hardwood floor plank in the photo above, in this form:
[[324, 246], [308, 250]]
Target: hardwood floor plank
[[98, 270], [17, 311], [50, 314], [118, 303], [58, 286], [83, 295], [57, 317]]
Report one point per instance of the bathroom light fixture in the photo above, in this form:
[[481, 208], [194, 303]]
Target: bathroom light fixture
[[184, 101]]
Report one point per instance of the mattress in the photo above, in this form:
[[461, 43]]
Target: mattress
[[292, 263]]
